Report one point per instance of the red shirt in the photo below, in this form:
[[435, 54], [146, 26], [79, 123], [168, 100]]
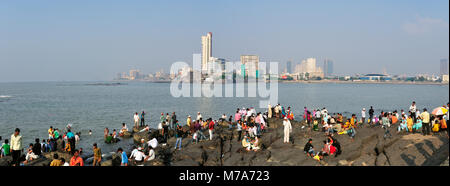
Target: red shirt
[[78, 161], [332, 149], [211, 125]]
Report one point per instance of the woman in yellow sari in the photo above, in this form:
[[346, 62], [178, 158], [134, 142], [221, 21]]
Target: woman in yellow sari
[[409, 123]]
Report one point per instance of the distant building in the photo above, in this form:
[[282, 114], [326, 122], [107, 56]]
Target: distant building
[[328, 67], [308, 69], [206, 50], [444, 67], [249, 65], [375, 77], [445, 78], [289, 67], [134, 74]]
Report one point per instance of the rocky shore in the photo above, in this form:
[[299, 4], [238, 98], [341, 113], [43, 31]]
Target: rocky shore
[[369, 148]]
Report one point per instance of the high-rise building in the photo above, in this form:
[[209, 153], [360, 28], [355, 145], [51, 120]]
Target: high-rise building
[[206, 50], [134, 74], [328, 67], [249, 65], [289, 67], [308, 68], [444, 67]]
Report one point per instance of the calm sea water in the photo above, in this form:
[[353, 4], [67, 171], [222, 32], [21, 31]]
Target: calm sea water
[[33, 107]]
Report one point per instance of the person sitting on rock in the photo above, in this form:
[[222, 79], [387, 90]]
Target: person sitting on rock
[[417, 125], [409, 123], [309, 148], [30, 155], [151, 155], [255, 144], [139, 157], [246, 143], [335, 144], [123, 130], [402, 125], [56, 161]]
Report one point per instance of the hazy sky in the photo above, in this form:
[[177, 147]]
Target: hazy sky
[[93, 40]]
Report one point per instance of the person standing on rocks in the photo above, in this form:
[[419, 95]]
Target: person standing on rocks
[[199, 116], [178, 135], [16, 147], [162, 117], [105, 132], [97, 155], [371, 111], [363, 116], [210, 128], [142, 118], [412, 110], [71, 139], [426, 122], [287, 129], [174, 120], [269, 111], [123, 156], [305, 114], [386, 125], [168, 119], [136, 120]]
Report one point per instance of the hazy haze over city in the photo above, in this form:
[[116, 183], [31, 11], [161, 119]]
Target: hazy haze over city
[[95, 40]]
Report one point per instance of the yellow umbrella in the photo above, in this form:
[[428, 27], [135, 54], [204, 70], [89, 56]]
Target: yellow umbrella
[[439, 111]]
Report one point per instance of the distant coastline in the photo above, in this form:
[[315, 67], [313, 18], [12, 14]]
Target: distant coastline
[[320, 82]]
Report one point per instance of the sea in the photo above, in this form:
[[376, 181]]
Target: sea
[[35, 106]]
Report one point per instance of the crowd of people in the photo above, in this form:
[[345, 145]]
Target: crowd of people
[[249, 125]]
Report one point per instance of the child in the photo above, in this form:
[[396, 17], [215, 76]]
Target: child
[[68, 148], [309, 148], [5, 149], [64, 163], [318, 156]]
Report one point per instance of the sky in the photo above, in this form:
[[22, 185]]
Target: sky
[[88, 40]]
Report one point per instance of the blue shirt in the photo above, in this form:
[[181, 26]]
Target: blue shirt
[[70, 135], [124, 158]]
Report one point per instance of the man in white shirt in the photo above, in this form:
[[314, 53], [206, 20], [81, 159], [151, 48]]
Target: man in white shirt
[[133, 153], [363, 115], [199, 116], [136, 120], [287, 129], [413, 110], [16, 147], [139, 157]]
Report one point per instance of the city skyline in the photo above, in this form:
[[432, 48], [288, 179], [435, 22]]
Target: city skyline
[[69, 41]]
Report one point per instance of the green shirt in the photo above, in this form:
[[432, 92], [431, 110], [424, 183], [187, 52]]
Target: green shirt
[[6, 149], [109, 139], [56, 134]]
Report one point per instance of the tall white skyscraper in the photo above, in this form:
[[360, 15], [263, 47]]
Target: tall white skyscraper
[[206, 50]]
